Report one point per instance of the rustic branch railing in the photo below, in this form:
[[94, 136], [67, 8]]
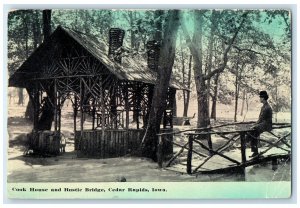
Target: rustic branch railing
[[195, 137]]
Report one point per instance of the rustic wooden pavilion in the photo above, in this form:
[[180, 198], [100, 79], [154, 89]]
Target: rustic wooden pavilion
[[101, 81]]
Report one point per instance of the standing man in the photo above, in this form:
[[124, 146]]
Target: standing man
[[264, 122]]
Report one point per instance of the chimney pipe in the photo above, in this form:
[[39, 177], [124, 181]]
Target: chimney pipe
[[46, 23], [153, 49], [116, 36]]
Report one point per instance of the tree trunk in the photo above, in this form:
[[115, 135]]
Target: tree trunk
[[29, 111], [21, 97], [213, 114], [188, 93], [174, 106], [243, 102], [132, 36], [210, 51], [36, 41], [203, 114], [47, 116], [200, 78], [36, 30], [201, 85], [159, 101], [184, 81], [237, 87], [276, 99], [26, 32], [158, 24], [236, 96]]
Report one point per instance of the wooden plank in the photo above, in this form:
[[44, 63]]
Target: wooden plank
[[115, 143], [93, 114], [108, 146], [123, 150], [95, 143], [126, 142], [74, 117], [55, 106], [122, 144], [81, 108], [102, 144], [118, 144]]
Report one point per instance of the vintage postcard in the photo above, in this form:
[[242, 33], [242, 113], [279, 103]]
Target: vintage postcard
[[149, 104]]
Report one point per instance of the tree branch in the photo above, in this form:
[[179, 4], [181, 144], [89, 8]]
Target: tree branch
[[246, 49], [225, 54], [189, 41]]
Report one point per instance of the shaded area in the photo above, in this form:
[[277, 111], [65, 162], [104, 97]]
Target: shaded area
[[69, 168]]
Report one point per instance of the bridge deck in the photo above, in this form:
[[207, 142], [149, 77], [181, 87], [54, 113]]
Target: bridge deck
[[218, 164]]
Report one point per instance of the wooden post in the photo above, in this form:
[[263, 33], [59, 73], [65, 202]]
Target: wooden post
[[75, 112], [242, 169], [55, 106], [102, 94], [113, 106], [81, 108], [138, 104], [94, 113], [189, 155], [160, 151], [59, 114], [75, 115], [126, 106], [209, 143], [243, 147]]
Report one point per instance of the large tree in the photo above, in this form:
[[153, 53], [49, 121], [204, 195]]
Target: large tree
[[159, 101], [47, 115], [196, 48]]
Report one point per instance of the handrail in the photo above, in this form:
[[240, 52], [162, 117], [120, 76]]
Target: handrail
[[275, 126], [238, 135]]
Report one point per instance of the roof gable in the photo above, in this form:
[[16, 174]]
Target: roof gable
[[132, 68]]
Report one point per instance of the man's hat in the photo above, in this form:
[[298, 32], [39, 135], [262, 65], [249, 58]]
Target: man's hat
[[264, 94]]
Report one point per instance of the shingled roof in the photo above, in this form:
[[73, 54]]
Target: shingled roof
[[132, 68]]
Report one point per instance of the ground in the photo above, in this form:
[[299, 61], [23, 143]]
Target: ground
[[68, 168]]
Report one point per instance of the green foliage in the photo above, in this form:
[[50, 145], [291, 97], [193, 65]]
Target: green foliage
[[262, 47], [22, 24]]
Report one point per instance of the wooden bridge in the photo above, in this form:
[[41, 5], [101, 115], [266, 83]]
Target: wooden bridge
[[220, 149]]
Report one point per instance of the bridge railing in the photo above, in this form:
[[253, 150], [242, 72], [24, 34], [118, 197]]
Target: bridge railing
[[237, 138]]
